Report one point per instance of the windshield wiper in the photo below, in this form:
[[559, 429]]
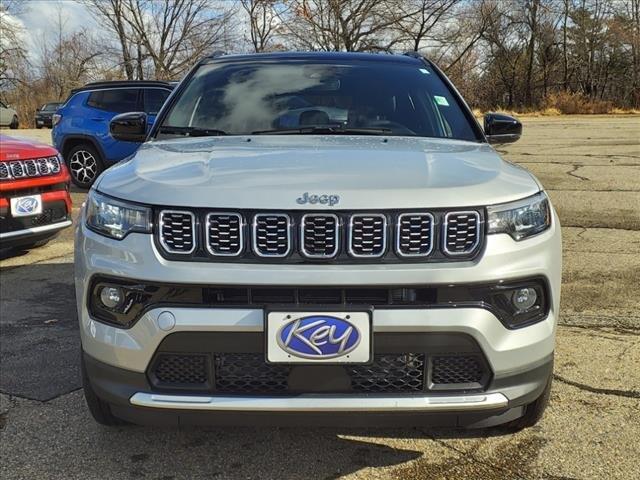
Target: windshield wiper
[[325, 129], [192, 131]]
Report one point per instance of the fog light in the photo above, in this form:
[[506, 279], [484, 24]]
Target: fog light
[[111, 297], [524, 298]]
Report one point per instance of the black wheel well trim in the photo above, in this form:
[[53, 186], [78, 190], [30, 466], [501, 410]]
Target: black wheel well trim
[[73, 140]]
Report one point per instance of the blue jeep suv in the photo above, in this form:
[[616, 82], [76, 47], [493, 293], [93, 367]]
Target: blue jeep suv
[[81, 125]]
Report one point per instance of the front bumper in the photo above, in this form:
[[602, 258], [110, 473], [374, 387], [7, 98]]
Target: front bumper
[[55, 216], [520, 360]]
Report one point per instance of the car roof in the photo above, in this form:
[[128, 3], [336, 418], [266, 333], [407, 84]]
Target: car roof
[[123, 83], [409, 58]]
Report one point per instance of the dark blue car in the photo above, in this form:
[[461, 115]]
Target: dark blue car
[[81, 125]]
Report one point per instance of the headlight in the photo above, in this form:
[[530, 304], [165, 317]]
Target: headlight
[[115, 218], [520, 219]]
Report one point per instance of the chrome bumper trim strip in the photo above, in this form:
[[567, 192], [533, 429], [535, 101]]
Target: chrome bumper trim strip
[[323, 403], [34, 230]]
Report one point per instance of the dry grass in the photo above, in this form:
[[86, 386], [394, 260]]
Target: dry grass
[[567, 103]]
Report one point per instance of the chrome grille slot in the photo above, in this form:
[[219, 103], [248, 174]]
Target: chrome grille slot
[[30, 168], [319, 235], [271, 235], [4, 171], [367, 235], [461, 232], [43, 166], [414, 236], [224, 234], [177, 231], [54, 164], [17, 170]]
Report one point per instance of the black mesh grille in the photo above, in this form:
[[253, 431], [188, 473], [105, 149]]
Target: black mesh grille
[[367, 235], [462, 232], [224, 234], [44, 166], [456, 369], [54, 164], [4, 170], [394, 373], [17, 170], [271, 235], [248, 373], [320, 235], [177, 231], [181, 370], [30, 167], [415, 234]]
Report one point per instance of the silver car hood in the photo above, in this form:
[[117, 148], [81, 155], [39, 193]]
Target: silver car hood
[[271, 172]]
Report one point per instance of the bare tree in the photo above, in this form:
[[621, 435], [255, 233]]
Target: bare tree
[[263, 21], [113, 13], [348, 25], [171, 34], [421, 18], [13, 55]]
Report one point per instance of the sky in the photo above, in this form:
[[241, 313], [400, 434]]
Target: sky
[[40, 18]]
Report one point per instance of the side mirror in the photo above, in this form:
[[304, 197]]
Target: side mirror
[[129, 127], [500, 128]]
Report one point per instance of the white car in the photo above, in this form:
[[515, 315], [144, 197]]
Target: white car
[[381, 266], [8, 117]]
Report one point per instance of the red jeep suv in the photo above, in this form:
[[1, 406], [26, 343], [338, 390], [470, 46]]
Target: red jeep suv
[[34, 193]]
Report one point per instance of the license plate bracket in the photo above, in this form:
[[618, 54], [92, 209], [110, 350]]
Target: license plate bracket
[[27, 206], [317, 336]]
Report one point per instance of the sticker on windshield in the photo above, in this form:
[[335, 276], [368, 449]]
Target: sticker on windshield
[[424, 70], [441, 100]]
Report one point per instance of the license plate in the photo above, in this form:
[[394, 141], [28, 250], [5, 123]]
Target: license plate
[[26, 206], [315, 337]]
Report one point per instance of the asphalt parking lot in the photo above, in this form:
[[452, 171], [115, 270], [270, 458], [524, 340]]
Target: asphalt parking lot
[[591, 168]]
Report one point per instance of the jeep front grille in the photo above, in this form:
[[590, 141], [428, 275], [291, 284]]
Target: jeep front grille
[[415, 234], [39, 167], [303, 236], [272, 235], [319, 235], [177, 231], [461, 232], [224, 234], [367, 235]]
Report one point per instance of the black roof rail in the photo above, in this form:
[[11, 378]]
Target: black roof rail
[[123, 83], [414, 54]]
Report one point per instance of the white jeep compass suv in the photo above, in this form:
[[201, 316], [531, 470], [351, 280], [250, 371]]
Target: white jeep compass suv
[[325, 238]]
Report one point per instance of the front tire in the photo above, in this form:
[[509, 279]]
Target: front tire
[[85, 165], [14, 123], [99, 409]]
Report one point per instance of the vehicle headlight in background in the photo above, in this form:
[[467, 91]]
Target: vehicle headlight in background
[[520, 219], [115, 218]]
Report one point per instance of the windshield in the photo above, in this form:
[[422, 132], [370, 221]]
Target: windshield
[[306, 97], [50, 107]]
